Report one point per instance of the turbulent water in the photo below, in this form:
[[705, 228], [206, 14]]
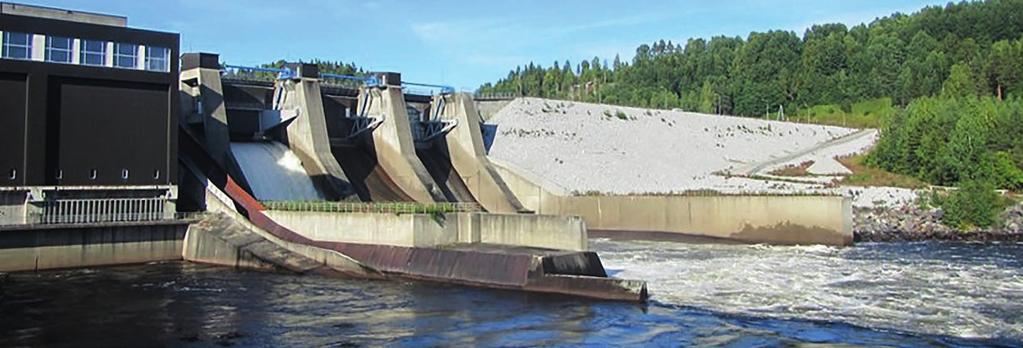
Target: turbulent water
[[956, 289], [928, 294]]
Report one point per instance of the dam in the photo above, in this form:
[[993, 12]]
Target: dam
[[211, 189], [292, 169]]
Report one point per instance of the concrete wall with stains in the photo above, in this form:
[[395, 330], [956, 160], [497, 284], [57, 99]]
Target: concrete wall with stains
[[39, 247], [428, 230], [747, 218]]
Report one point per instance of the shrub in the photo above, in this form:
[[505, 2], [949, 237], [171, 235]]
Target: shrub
[[975, 203], [1004, 171]]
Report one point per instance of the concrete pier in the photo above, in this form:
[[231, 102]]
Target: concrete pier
[[307, 134], [392, 141], [464, 145]]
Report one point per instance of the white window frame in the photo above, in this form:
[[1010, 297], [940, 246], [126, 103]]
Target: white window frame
[[118, 55], [150, 59], [69, 50], [7, 45], [83, 53]]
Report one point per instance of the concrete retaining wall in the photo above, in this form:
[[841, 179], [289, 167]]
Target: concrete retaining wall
[[218, 201], [426, 230], [539, 231], [408, 230], [39, 247], [221, 240], [746, 218]]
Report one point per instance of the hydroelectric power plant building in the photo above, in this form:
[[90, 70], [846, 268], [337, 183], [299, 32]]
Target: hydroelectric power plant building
[[88, 137], [86, 104]]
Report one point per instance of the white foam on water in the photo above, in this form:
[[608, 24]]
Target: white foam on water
[[967, 290], [274, 172]]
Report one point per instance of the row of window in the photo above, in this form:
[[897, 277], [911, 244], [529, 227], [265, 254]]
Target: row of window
[[90, 52], [13, 174]]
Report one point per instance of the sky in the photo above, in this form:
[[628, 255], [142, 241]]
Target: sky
[[465, 43]]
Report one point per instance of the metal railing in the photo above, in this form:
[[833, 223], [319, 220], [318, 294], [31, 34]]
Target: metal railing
[[85, 210], [426, 88], [44, 219], [349, 80], [389, 207], [256, 73], [496, 96]]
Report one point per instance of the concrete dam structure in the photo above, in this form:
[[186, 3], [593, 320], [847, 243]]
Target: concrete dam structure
[[301, 174], [293, 169], [276, 170]]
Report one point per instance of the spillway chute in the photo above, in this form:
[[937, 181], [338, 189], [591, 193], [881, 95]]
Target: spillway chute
[[274, 172]]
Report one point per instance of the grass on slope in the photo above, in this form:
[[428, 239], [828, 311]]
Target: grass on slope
[[793, 170], [866, 114], [864, 175]]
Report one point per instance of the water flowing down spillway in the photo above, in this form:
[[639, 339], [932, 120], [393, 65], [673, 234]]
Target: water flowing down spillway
[[274, 172]]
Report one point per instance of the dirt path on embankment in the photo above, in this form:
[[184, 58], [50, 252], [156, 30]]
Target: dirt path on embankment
[[826, 151]]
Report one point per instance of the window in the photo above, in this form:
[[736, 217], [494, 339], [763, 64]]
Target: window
[[17, 45], [58, 49], [157, 59], [126, 55], [93, 52]]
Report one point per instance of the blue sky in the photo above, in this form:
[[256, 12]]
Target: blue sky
[[464, 43]]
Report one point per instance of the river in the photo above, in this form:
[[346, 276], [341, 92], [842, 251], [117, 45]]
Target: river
[[917, 294]]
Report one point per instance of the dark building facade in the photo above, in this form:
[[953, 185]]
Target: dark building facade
[[86, 104]]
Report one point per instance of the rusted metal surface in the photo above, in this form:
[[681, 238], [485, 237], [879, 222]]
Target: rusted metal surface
[[595, 287], [382, 257], [503, 269]]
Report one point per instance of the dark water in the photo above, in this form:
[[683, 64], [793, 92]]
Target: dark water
[[181, 304]]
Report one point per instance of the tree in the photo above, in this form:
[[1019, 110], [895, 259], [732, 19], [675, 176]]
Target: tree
[[960, 83], [1005, 68]]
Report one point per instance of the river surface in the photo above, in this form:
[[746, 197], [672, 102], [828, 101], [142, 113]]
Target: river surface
[[922, 294]]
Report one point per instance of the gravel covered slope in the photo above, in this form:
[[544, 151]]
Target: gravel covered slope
[[587, 147]]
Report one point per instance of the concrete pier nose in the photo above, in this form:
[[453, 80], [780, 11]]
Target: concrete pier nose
[[464, 146]]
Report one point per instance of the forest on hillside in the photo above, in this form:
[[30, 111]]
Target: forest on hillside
[[900, 57]]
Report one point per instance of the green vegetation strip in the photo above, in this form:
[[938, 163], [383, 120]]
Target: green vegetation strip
[[384, 207]]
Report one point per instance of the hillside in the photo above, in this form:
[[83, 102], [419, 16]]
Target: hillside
[[584, 147]]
